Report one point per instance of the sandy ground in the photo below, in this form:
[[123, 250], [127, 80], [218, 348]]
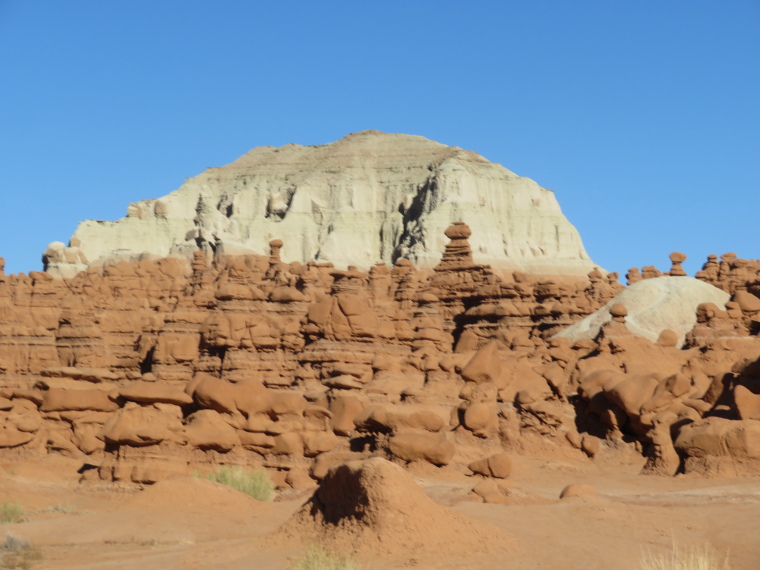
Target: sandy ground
[[192, 524]]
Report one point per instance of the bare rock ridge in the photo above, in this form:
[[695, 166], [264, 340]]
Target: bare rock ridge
[[366, 198]]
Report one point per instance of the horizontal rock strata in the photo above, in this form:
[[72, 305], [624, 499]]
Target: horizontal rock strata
[[155, 368], [369, 197]]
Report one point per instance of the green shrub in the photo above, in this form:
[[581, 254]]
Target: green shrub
[[257, 484], [703, 557], [319, 558], [17, 552], [10, 512]]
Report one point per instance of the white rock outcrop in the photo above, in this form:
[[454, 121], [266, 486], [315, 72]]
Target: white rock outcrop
[[653, 305], [366, 198]]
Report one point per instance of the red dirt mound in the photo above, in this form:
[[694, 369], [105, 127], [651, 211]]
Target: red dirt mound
[[374, 506]]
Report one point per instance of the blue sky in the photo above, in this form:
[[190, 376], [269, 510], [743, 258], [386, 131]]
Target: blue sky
[[643, 116]]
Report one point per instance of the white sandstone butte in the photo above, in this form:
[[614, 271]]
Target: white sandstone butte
[[366, 198]]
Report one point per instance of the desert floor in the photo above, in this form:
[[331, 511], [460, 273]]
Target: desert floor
[[195, 524]]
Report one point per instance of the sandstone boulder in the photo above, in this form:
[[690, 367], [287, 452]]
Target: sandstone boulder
[[485, 365], [435, 449], [345, 408], [718, 447], [392, 419], [747, 403], [215, 394], [138, 426], [498, 465], [150, 392], [207, 430]]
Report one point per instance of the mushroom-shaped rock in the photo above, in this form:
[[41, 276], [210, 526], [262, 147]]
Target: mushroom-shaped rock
[[668, 338], [677, 258], [458, 230], [274, 248], [618, 312]]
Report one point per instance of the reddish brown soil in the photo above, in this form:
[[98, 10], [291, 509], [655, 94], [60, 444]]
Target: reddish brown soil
[[199, 525]]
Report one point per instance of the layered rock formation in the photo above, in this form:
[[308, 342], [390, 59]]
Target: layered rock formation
[[370, 197], [154, 368]]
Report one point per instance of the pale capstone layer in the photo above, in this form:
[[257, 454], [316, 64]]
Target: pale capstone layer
[[366, 198], [653, 305]]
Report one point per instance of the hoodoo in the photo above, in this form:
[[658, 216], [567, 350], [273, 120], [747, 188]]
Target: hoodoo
[[371, 385], [366, 198]]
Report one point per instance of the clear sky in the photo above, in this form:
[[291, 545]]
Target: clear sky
[[643, 116]]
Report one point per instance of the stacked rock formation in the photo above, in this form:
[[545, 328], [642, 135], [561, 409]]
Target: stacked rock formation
[[366, 198], [149, 369], [688, 407]]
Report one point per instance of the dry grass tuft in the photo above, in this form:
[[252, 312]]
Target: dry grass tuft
[[696, 557], [317, 557], [17, 552], [257, 484], [11, 512]]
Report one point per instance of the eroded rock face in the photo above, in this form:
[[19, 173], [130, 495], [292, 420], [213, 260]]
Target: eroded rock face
[[366, 198], [152, 369]]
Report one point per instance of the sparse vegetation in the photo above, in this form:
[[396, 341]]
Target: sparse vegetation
[[10, 512], [317, 557], [257, 484], [701, 557], [17, 552]]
